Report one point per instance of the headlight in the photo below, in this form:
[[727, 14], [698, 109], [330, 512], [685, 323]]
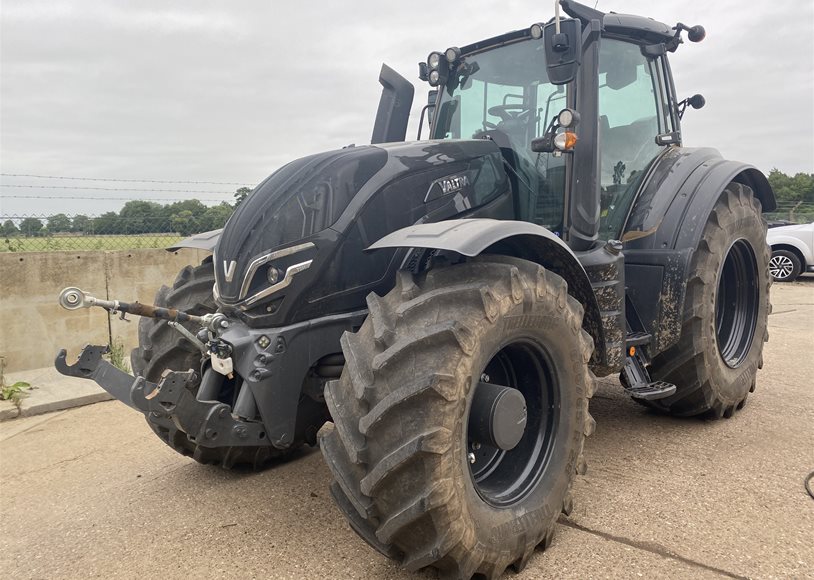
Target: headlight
[[434, 60], [452, 54], [568, 118], [536, 31], [274, 275], [434, 78]]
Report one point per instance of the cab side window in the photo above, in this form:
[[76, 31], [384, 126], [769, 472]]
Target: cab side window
[[630, 96]]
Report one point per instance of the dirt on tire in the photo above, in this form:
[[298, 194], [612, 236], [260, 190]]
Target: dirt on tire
[[398, 451], [705, 383]]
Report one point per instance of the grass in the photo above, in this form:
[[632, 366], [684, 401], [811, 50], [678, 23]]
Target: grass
[[118, 355], [14, 393], [85, 243]]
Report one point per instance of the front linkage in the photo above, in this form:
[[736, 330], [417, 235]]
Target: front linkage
[[254, 388], [208, 423]]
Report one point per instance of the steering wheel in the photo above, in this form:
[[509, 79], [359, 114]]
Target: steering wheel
[[503, 111]]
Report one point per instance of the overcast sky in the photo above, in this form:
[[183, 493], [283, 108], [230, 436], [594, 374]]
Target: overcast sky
[[229, 91]]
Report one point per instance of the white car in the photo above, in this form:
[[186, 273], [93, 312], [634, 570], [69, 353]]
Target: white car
[[792, 251]]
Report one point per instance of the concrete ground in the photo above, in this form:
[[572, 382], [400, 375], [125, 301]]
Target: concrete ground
[[92, 493], [50, 391]]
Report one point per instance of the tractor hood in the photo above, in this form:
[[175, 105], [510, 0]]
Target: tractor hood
[[277, 232]]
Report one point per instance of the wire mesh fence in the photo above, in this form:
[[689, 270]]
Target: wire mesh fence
[[112, 231], [61, 232], [793, 212]]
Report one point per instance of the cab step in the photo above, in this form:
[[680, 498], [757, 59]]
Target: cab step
[[637, 339], [636, 380], [650, 391]]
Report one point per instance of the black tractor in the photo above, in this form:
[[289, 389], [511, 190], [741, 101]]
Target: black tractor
[[447, 303]]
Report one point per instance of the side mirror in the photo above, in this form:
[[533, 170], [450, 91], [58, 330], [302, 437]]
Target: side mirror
[[697, 33], [696, 102], [563, 50]]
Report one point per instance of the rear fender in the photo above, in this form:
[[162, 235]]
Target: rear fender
[[473, 237], [665, 227]]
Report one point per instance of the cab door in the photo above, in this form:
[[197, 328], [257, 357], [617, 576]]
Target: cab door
[[633, 111]]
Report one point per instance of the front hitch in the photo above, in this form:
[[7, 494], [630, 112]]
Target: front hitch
[[207, 423]]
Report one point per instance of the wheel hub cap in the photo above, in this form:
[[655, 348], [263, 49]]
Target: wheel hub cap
[[512, 422], [498, 416], [780, 267]]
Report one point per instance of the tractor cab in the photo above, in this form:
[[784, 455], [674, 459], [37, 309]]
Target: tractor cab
[[502, 93], [579, 116]]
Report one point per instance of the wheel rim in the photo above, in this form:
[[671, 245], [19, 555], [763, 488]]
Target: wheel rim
[[500, 477], [736, 306], [780, 267]]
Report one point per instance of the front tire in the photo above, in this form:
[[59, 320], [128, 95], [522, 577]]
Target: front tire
[[715, 362], [401, 451]]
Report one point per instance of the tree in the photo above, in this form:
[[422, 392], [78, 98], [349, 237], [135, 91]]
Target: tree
[[139, 217], [81, 224], [240, 194], [184, 223], [59, 223], [215, 217], [795, 195], [800, 187], [108, 223], [9, 229], [31, 227], [183, 216], [194, 206]]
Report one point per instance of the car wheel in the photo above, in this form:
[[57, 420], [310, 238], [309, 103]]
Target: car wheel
[[784, 266]]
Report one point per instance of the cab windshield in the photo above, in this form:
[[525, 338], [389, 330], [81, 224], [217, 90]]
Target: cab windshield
[[504, 94]]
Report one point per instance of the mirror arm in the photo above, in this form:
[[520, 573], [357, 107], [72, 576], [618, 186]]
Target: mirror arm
[[421, 121]]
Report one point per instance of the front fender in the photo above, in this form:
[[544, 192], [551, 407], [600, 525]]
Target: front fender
[[473, 237], [465, 236], [205, 241]]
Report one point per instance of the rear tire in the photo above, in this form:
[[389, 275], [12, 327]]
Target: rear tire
[[163, 348], [715, 362], [399, 452]]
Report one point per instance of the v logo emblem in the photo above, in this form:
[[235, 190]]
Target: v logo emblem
[[229, 269]]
